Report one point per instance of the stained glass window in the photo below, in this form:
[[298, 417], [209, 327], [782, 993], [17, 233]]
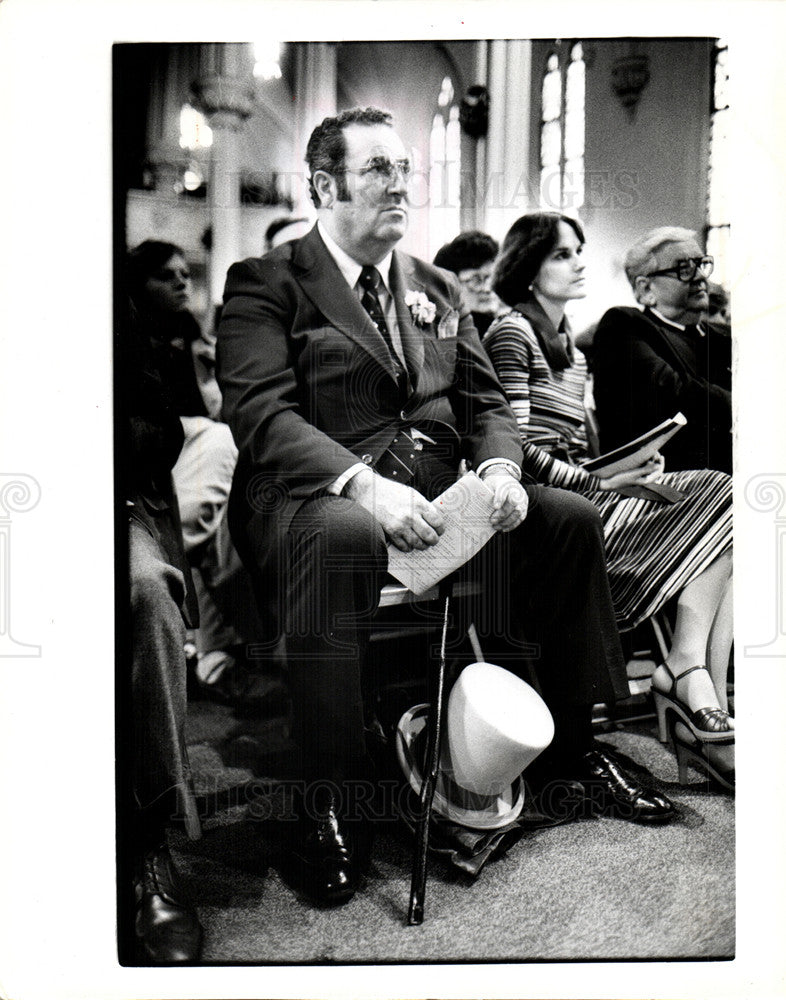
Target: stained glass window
[[562, 130], [444, 169]]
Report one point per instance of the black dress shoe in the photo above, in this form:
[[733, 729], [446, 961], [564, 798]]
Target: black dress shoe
[[167, 928], [325, 855], [609, 791]]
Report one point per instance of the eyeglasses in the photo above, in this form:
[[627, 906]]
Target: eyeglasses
[[686, 270], [381, 169], [478, 281]]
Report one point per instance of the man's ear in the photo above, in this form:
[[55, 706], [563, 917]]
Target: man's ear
[[644, 293], [325, 186]]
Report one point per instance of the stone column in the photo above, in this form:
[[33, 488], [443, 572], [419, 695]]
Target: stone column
[[506, 187], [225, 93], [171, 73], [315, 99]]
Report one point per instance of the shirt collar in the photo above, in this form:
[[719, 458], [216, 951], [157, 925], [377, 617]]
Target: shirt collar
[[348, 266], [671, 322], [557, 350]]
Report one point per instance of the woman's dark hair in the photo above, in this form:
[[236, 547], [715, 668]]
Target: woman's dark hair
[[467, 251], [145, 260], [526, 245]]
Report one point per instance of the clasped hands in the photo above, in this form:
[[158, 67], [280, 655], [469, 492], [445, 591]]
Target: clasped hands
[[410, 521]]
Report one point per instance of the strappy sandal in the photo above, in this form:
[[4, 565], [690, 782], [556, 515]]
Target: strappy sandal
[[697, 754], [706, 724]]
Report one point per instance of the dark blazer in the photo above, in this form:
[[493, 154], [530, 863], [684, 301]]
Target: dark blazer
[[309, 388], [645, 371]]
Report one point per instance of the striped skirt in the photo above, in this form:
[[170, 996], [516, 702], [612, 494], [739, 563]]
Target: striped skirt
[[654, 550]]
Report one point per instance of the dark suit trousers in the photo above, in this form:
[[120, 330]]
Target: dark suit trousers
[[161, 773], [545, 585]]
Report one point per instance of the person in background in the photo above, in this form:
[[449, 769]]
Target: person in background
[[355, 384], [283, 229], [470, 256], [654, 551], [159, 283], [156, 785], [719, 311], [651, 363]]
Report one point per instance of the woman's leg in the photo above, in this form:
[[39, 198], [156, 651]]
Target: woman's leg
[[719, 649], [700, 613]]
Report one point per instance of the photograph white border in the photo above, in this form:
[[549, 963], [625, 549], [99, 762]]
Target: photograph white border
[[57, 863]]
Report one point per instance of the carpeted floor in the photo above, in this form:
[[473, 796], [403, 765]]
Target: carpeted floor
[[591, 889]]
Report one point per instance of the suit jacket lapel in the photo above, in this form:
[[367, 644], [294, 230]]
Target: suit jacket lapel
[[323, 282], [402, 280], [674, 340]]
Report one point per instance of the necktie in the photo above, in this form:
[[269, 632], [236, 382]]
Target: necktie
[[369, 282]]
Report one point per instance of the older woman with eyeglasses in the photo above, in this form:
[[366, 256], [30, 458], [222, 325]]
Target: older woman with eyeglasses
[[649, 363], [470, 256]]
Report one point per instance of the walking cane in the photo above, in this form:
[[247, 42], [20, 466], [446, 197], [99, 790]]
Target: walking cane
[[436, 689]]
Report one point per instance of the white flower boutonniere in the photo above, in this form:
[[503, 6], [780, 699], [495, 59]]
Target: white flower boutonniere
[[422, 308]]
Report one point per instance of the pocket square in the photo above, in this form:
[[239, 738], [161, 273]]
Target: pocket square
[[448, 325]]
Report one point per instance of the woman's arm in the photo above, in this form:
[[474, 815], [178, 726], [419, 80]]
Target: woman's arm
[[508, 345]]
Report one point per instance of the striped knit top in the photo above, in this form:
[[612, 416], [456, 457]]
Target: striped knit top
[[547, 399]]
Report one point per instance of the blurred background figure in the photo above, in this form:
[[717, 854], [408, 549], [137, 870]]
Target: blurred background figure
[[720, 305], [160, 288], [471, 257], [284, 229]]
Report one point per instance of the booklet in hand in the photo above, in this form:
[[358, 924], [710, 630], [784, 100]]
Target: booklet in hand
[[467, 505], [637, 452]]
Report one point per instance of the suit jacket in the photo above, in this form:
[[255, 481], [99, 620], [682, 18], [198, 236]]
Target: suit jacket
[[309, 388], [645, 371]]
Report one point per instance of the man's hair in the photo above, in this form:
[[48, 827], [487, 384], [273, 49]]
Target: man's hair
[[467, 251], [526, 245], [327, 147], [145, 260], [641, 258]]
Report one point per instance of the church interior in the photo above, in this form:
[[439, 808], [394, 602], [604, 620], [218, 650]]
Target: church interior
[[625, 134]]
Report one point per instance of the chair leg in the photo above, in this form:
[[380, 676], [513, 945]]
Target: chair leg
[[436, 686], [662, 629]]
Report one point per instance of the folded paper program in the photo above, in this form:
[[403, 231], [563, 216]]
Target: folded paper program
[[467, 506]]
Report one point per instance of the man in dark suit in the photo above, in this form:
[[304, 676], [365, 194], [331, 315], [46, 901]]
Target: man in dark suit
[[649, 365], [345, 367]]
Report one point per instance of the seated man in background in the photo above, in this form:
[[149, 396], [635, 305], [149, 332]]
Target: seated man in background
[[648, 365], [354, 383], [470, 256]]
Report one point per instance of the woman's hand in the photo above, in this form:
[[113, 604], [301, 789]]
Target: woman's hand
[[650, 472]]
